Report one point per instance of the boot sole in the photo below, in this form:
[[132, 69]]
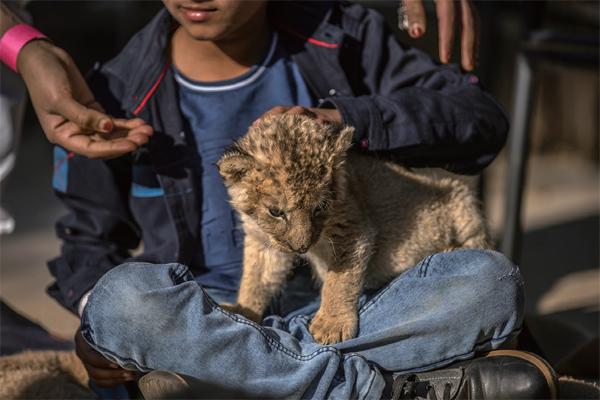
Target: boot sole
[[158, 385]]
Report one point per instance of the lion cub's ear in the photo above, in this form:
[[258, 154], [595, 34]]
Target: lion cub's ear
[[343, 141], [233, 166], [345, 137]]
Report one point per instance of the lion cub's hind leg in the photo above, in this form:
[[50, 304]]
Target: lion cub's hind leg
[[470, 228]]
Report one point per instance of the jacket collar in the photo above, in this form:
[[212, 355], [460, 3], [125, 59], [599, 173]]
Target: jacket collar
[[142, 61], [142, 64]]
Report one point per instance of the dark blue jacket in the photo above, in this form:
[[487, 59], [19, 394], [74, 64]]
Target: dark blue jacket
[[400, 102]]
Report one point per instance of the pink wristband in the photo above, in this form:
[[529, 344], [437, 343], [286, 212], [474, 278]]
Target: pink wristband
[[13, 41]]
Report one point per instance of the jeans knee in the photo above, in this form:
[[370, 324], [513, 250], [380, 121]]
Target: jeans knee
[[491, 264], [499, 289], [129, 297], [128, 281]]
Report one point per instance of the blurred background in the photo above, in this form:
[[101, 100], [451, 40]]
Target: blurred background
[[559, 253]]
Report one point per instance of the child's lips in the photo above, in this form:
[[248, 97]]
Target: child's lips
[[197, 15]]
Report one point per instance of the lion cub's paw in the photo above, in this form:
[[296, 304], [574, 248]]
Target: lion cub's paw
[[232, 308], [328, 330], [238, 309]]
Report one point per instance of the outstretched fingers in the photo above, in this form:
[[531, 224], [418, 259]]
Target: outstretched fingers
[[469, 41], [88, 119], [446, 14], [125, 137], [415, 20]]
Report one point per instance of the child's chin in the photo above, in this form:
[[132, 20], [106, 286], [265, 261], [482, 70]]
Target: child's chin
[[203, 31]]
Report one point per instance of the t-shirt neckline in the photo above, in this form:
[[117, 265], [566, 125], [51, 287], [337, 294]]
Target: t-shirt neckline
[[230, 84]]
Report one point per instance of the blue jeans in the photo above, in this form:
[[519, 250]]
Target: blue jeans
[[447, 308]]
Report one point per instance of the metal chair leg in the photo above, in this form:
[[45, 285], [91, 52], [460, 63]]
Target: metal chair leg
[[517, 158]]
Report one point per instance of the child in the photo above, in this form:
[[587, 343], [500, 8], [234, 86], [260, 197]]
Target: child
[[200, 73]]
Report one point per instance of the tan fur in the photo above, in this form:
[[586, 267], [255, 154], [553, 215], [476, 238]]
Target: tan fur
[[360, 221], [43, 375]]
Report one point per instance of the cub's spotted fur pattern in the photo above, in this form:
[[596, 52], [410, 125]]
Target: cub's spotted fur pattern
[[360, 221]]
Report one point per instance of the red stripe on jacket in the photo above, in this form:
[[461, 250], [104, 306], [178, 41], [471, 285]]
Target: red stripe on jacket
[[152, 89]]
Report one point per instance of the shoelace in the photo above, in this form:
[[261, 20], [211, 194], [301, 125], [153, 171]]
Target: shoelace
[[409, 387]]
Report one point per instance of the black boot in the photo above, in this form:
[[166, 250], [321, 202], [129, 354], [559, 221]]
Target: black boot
[[501, 374]]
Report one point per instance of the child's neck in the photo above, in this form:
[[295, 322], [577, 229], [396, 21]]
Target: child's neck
[[205, 60]]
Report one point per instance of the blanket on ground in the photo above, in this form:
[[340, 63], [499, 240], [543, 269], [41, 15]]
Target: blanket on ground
[[43, 375]]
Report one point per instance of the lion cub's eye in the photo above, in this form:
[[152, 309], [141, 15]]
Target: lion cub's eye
[[277, 213], [318, 210]]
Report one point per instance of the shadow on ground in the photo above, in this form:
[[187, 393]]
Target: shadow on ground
[[560, 267]]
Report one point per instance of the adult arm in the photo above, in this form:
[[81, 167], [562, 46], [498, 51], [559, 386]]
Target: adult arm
[[66, 108], [98, 232], [8, 19]]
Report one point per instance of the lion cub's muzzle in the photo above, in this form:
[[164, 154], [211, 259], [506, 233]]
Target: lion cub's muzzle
[[302, 249]]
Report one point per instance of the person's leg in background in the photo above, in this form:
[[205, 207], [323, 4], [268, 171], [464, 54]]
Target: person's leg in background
[[446, 308], [13, 98]]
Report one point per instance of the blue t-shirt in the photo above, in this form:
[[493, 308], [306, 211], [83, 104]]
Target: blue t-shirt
[[218, 113]]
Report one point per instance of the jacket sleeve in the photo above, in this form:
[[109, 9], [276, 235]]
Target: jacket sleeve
[[419, 112], [98, 231]]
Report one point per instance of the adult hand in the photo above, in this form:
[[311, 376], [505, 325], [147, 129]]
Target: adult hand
[[67, 109], [330, 115], [452, 15], [102, 371]]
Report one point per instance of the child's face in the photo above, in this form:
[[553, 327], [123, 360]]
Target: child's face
[[215, 19]]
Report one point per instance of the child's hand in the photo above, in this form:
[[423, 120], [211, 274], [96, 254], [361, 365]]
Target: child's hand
[[452, 15], [329, 115], [67, 110], [102, 371]]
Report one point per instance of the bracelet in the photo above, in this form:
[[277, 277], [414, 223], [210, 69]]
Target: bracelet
[[13, 41]]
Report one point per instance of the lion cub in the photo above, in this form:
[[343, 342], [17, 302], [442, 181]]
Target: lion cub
[[360, 221]]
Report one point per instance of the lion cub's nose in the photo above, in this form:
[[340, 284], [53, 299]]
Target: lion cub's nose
[[302, 249]]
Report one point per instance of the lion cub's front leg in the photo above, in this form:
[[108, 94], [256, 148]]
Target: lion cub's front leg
[[337, 317], [264, 273]]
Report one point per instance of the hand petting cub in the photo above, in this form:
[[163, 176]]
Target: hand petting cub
[[360, 221]]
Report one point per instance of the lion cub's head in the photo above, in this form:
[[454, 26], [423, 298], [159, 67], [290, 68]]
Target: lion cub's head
[[284, 174]]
